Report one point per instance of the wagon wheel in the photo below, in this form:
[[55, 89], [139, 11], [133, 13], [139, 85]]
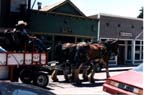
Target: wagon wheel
[[25, 76], [41, 79]]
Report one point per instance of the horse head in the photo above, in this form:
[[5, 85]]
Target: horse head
[[112, 46]]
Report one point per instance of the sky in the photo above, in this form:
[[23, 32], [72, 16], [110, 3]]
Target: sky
[[126, 8]]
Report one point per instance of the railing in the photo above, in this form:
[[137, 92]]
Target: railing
[[12, 58]]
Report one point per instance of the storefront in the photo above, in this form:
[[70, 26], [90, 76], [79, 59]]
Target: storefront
[[63, 22], [129, 33]]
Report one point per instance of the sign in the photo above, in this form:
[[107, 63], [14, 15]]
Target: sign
[[125, 34]]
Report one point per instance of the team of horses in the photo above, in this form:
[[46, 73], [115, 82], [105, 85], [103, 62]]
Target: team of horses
[[72, 57], [91, 56]]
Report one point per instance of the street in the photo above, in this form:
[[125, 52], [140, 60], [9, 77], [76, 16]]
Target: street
[[62, 88]]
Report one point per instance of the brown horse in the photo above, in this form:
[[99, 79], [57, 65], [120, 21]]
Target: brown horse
[[70, 55], [97, 54], [64, 54]]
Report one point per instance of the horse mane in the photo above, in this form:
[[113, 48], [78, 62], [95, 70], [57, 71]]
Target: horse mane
[[82, 44], [68, 45]]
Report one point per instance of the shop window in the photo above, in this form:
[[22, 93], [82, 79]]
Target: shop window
[[138, 42], [142, 52], [137, 52], [107, 24], [129, 42], [129, 53], [121, 42]]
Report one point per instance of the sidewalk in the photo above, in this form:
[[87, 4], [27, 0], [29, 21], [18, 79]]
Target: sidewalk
[[119, 68]]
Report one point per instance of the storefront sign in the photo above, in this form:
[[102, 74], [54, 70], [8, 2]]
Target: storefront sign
[[125, 34]]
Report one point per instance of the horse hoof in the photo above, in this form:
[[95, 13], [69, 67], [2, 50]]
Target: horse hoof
[[68, 81], [55, 80], [85, 78], [78, 82], [92, 81]]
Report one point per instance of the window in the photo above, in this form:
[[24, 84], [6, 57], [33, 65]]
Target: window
[[129, 42], [18, 5], [129, 53], [119, 25], [107, 24], [142, 27], [137, 52], [121, 42], [142, 52], [132, 26], [138, 42], [94, 28]]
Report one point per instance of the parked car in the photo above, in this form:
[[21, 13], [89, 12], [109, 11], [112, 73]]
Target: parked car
[[14, 88], [126, 83]]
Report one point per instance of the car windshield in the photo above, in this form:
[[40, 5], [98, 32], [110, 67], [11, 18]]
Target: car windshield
[[139, 68]]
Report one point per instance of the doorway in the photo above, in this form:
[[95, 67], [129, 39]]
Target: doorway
[[121, 55]]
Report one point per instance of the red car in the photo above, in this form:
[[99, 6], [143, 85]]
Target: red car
[[127, 83]]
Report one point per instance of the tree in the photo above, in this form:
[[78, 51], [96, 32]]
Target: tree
[[141, 13]]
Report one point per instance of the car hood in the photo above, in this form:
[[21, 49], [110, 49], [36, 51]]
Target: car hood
[[130, 78], [13, 88]]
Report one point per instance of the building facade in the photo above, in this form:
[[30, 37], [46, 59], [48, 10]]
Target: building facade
[[63, 22], [129, 32]]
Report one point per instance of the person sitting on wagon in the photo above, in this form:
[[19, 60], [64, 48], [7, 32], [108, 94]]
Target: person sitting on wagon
[[26, 38]]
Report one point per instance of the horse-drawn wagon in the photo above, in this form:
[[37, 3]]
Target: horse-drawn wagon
[[26, 66]]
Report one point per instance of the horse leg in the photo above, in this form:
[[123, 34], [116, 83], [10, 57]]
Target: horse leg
[[94, 66], [54, 75], [85, 73], [65, 72], [66, 76], [76, 75], [107, 70], [91, 78]]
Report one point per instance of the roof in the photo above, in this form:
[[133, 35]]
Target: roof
[[50, 8], [115, 16]]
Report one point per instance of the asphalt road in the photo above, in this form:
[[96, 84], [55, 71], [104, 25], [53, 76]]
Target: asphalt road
[[86, 88], [61, 87]]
